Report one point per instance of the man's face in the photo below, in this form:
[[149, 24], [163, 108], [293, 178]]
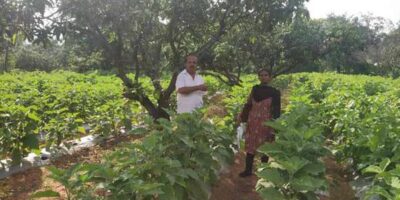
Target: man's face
[[191, 64]]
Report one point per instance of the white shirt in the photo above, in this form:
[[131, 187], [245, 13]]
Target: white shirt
[[193, 100]]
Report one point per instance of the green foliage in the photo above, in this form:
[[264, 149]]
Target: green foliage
[[386, 182], [30, 58], [296, 170], [20, 20], [58, 105], [47, 193], [18, 131], [152, 38], [357, 115], [389, 51], [177, 159]]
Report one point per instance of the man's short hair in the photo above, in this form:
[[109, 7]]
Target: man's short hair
[[189, 55]]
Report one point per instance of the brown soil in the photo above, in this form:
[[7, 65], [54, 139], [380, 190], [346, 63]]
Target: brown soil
[[22, 185], [232, 187], [338, 178]]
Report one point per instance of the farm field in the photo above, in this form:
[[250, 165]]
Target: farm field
[[348, 123], [90, 93]]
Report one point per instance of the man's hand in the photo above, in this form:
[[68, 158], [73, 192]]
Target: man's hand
[[188, 90], [202, 87]]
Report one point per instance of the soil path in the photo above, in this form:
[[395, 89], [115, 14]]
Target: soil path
[[232, 187]]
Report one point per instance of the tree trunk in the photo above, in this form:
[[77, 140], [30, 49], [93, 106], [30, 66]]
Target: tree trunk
[[239, 72], [134, 92], [6, 58]]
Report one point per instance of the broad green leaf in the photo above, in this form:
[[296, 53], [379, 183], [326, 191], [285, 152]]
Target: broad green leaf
[[81, 130], [168, 193], [274, 164], [55, 171], [293, 164], [174, 163], [99, 171], [14, 38], [271, 194], [385, 162], [33, 117], [275, 125], [188, 141], [373, 142], [311, 133], [271, 149], [275, 176], [181, 181], [263, 183], [36, 151], [47, 193], [198, 189], [307, 183], [386, 176], [151, 188], [150, 141], [311, 196], [372, 169], [74, 169], [252, 40], [396, 171], [378, 190], [31, 141], [84, 177], [139, 131], [395, 182], [314, 168], [171, 178], [192, 174]]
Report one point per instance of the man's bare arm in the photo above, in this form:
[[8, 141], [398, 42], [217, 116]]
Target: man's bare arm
[[188, 90]]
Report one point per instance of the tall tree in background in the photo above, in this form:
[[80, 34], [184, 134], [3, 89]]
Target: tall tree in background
[[390, 54], [262, 41], [24, 19], [302, 45], [152, 37], [344, 40]]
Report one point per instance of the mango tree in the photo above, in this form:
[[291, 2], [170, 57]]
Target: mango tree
[[24, 19], [151, 38]]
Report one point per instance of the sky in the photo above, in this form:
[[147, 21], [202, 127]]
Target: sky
[[389, 9]]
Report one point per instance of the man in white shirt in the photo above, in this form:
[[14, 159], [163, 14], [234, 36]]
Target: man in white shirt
[[190, 87]]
